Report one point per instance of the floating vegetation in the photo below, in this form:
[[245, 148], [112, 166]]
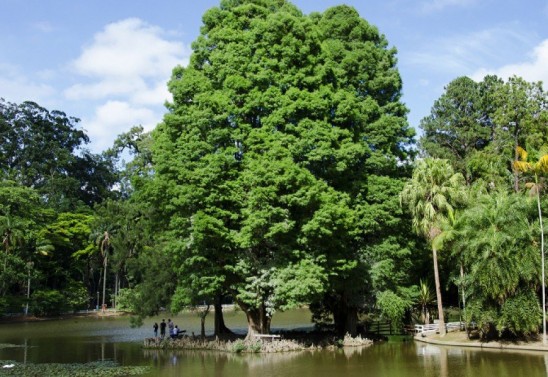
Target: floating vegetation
[[95, 369]]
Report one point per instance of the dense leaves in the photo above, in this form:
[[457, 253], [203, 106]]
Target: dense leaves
[[276, 127]]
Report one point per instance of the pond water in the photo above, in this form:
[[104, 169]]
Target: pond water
[[85, 340]]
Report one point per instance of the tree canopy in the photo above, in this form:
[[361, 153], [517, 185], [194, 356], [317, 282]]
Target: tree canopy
[[277, 157]]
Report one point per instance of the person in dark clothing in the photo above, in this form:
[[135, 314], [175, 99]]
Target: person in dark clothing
[[163, 328], [155, 327]]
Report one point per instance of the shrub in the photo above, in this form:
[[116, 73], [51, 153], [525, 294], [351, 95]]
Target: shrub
[[76, 296], [48, 302], [126, 300], [239, 346], [521, 314]]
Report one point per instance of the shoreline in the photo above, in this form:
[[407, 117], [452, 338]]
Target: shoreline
[[459, 339], [21, 318]]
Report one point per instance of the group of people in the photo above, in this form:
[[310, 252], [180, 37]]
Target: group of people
[[174, 330]]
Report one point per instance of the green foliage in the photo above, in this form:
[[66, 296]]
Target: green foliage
[[76, 295], [458, 124], [425, 300], [239, 346], [393, 307], [255, 347], [478, 125], [47, 303], [43, 149], [298, 283], [483, 316], [496, 240], [127, 299], [520, 314], [432, 194]]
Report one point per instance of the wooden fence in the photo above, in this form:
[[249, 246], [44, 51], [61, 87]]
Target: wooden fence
[[435, 327]]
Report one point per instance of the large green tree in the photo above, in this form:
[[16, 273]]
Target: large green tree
[[284, 132]]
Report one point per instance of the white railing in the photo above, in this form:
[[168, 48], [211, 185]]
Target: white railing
[[435, 327]]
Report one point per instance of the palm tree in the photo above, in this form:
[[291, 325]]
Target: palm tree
[[447, 239], [497, 247], [537, 168], [104, 245], [425, 300], [430, 195]]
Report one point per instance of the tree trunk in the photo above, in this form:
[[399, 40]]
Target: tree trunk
[[438, 292], [219, 325], [258, 322], [104, 280], [516, 156], [346, 319], [463, 293], [543, 282], [202, 326]]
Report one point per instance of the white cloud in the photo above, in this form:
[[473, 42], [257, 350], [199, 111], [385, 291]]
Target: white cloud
[[125, 71], [533, 69], [150, 96], [106, 88], [129, 48], [115, 117], [127, 57]]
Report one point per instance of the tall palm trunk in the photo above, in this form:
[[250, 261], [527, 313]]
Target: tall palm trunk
[[462, 289], [543, 284], [438, 292], [104, 280]]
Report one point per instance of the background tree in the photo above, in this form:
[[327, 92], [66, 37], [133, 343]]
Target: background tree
[[22, 215], [521, 116], [458, 125], [477, 126], [44, 150]]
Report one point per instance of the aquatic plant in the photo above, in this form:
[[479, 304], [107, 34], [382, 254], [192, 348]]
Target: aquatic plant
[[95, 369]]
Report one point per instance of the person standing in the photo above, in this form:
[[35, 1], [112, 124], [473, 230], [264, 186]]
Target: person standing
[[170, 325], [155, 327], [163, 328]]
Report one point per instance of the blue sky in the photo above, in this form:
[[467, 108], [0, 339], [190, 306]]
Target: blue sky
[[107, 62]]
